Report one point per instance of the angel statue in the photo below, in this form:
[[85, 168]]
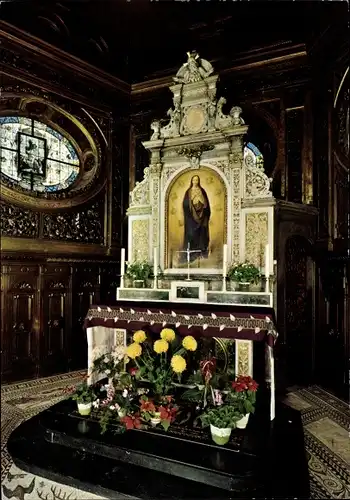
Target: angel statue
[[194, 70], [155, 126], [235, 113]]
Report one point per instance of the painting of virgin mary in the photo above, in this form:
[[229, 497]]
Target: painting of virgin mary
[[196, 208]]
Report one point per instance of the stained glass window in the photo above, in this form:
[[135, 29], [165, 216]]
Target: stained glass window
[[252, 156], [36, 157]]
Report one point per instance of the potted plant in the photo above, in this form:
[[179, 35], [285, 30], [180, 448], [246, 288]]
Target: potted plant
[[242, 397], [221, 419], [84, 395], [163, 413], [245, 274], [139, 272]]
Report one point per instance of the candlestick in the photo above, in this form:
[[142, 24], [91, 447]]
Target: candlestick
[[122, 262], [267, 260], [224, 266], [155, 266]]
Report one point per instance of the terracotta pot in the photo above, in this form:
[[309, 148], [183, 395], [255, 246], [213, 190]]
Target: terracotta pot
[[220, 436], [84, 409], [242, 423]]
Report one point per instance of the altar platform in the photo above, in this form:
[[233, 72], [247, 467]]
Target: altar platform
[[266, 460]]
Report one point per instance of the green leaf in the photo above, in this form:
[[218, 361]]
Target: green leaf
[[165, 424]]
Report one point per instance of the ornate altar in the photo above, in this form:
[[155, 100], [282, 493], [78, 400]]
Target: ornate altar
[[201, 147]]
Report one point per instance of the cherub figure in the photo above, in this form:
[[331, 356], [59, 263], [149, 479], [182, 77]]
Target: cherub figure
[[155, 126]]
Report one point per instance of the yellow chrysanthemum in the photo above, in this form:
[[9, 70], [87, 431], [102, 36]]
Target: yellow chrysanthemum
[[134, 350], [160, 346], [139, 336], [178, 363], [167, 334], [189, 343]]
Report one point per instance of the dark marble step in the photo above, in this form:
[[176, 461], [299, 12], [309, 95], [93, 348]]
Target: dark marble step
[[263, 461]]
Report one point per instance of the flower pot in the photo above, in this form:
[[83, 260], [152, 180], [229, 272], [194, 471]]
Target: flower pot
[[242, 423], [84, 408], [244, 286], [220, 436], [155, 421], [233, 286], [139, 283]]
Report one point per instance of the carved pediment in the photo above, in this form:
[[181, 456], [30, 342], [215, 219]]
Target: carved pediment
[[195, 107]]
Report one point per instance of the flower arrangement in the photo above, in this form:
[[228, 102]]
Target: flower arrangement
[[243, 394], [139, 270], [243, 273], [159, 363], [111, 363]]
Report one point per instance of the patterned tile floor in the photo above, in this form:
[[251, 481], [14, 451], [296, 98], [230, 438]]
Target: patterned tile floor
[[326, 421]]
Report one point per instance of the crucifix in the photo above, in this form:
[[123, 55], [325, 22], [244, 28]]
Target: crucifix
[[188, 253]]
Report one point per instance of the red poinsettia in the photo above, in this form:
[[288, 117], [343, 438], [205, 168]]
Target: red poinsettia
[[167, 413], [147, 405], [131, 421], [244, 383]]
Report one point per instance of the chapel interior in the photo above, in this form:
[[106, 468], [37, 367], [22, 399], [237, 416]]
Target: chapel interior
[[96, 80]]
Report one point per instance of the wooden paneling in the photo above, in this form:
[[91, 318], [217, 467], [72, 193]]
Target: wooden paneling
[[43, 307]]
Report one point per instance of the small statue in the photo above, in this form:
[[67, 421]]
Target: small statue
[[176, 118], [235, 113], [194, 70], [155, 126], [212, 110]]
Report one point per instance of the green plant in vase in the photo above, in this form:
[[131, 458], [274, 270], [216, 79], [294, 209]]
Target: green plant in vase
[[139, 272], [244, 274], [221, 419], [84, 394]]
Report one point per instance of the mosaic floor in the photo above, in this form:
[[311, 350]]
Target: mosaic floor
[[326, 422]]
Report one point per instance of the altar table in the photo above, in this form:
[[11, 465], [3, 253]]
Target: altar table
[[107, 326]]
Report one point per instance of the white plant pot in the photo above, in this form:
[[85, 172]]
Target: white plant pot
[[155, 421], [84, 408], [220, 436], [242, 423]]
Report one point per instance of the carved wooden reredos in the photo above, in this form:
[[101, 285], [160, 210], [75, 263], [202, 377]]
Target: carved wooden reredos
[[200, 136]]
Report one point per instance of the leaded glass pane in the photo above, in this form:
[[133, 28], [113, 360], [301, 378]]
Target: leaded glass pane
[[35, 156], [253, 156]]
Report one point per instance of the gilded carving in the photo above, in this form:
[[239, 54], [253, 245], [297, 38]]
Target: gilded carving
[[236, 211], [244, 357], [15, 221], [140, 239], [256, 237]]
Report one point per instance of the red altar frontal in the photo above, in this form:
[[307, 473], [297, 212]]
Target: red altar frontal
[[108, 326]]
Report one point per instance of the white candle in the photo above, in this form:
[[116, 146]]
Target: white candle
[[224, 267], [122, 262], [267, 260], [155, 261]]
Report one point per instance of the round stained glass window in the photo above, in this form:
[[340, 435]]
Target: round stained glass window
[[35, 157]]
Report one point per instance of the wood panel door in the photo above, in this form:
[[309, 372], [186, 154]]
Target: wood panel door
[[21, 321]]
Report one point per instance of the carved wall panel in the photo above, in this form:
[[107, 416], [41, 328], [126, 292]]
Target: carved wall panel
[[85, 226], [256, 237], [140, 242], [298, 308], [294, 139], [20, 222]]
